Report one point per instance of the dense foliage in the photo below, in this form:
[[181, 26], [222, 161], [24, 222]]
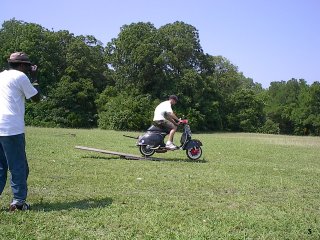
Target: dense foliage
[[85, 84]]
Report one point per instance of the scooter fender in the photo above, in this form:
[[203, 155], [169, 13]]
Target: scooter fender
[[193, 143], [152, 139]]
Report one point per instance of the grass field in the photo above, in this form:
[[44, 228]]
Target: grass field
[[247, 186]]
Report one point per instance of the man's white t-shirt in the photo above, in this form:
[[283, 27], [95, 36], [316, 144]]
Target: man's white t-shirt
[[161, 109], [15, 86]]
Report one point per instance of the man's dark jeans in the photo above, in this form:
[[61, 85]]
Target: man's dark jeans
[[13, 158]]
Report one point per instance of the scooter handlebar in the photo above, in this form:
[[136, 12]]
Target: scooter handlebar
[[183, 121]]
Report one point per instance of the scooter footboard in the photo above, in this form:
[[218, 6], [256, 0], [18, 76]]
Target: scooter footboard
[[193, 143]]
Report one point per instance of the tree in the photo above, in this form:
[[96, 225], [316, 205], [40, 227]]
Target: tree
[[72, 72], [311, 119], [133, 58], [118, 86], [285, 104], [159, 63], [247, 114]]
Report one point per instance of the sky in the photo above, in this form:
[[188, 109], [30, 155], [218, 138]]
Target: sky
[[268, 40]]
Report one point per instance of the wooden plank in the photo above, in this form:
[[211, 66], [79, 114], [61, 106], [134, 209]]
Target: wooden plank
[[120, 154]]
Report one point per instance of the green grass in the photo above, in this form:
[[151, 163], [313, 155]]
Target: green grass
[[248, 186]]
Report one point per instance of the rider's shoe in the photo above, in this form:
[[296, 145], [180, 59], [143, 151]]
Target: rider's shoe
[[22, 207], [171, 146]]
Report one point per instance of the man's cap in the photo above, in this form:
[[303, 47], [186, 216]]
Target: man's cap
[[174, 97], [19, 57]]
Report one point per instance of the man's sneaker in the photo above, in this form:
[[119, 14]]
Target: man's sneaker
[[21, 207], [171, 146]]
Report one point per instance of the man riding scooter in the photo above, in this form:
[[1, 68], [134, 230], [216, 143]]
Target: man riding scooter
[[165, 122], [165, 118]]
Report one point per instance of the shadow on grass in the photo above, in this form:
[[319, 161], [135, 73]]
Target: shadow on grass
[[80, 205], [152, 159]]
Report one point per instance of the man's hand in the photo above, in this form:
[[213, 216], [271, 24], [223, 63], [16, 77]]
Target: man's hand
[[176, 121], [34, 68]]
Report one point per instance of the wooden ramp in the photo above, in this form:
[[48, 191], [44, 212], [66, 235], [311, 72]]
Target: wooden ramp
[[121, 155]]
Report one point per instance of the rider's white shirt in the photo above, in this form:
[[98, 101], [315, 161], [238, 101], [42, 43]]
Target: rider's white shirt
[[15, 86], [161, 109]]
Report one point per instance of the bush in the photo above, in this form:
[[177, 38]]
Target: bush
[[125, 112], [270, 127]]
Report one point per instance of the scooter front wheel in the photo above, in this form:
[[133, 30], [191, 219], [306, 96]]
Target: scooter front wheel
[[146, 150], [194, 153]]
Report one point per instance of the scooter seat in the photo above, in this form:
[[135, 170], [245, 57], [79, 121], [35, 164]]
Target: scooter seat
[[153, 128]]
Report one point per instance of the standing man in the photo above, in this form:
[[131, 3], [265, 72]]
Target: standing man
[[15, 86], [165, 118]]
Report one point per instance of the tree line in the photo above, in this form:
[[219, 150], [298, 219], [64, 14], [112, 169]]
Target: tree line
[[85, 84]]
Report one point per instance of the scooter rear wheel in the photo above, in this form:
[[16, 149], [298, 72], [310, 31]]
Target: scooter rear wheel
[[146, 150], [194, 153]]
